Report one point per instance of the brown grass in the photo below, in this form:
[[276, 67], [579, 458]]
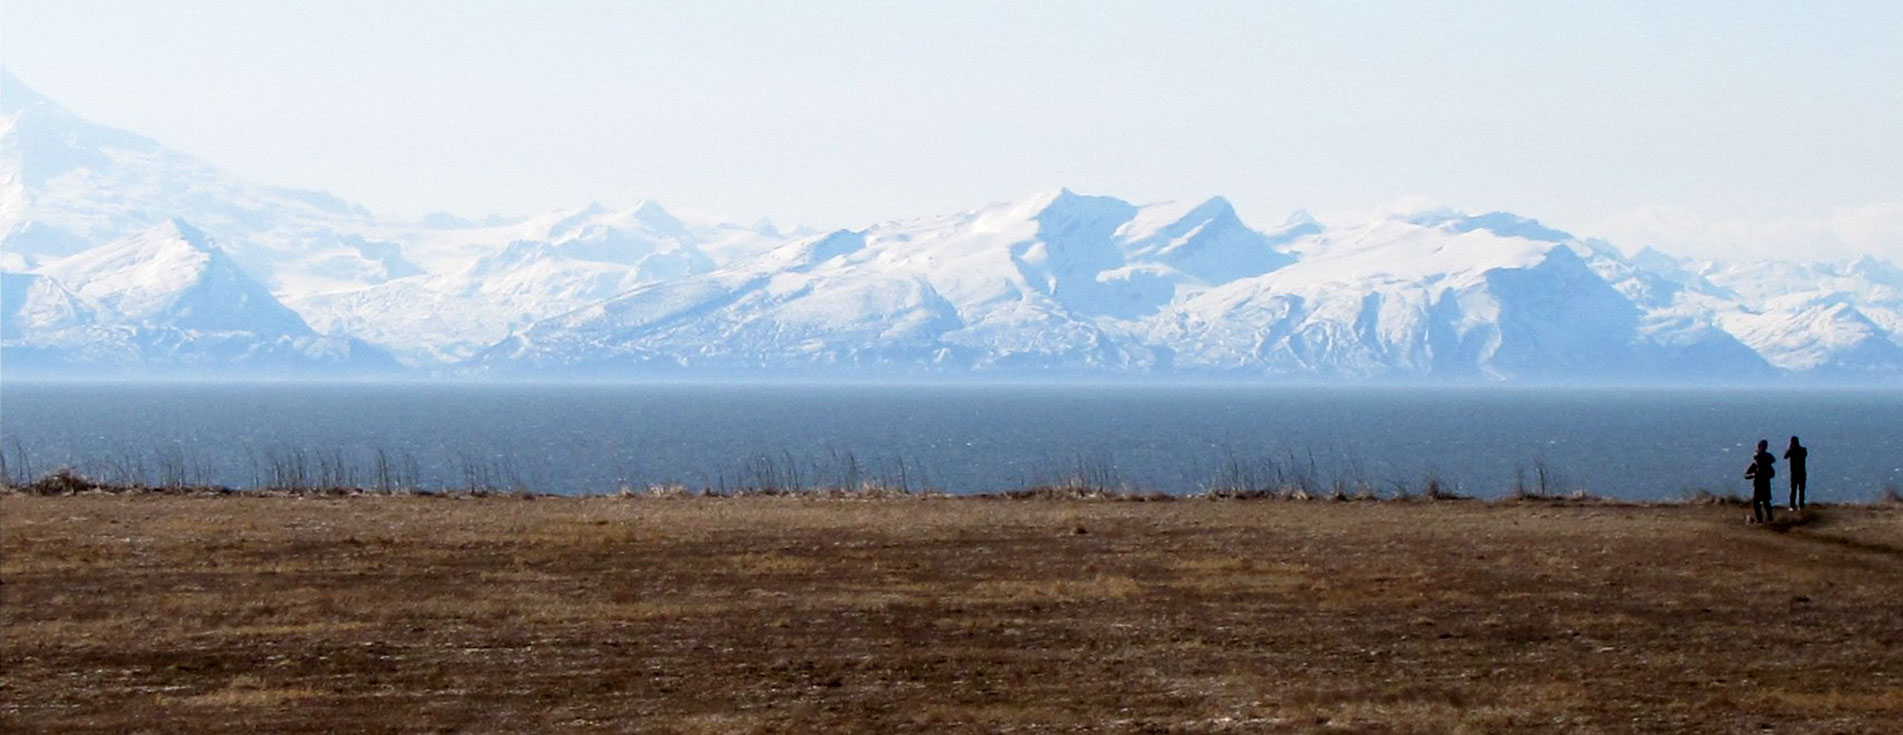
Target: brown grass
[[130, 613]]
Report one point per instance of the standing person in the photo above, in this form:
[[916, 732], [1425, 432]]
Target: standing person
[[1794, 456], [1760, 472]]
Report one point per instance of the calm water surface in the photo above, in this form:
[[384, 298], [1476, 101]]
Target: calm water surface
[[576, 439]]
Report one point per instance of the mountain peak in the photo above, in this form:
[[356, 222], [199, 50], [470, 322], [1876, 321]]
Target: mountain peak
[[173, 240], [1059, 198], [177, 228], [654, 215], [1072, 216], [1059, 213], [172, 274], [1066, 203], [1213, 208], [52, 141], [1028, 207]]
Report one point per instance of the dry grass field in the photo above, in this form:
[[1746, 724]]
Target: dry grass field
[[417, 614]]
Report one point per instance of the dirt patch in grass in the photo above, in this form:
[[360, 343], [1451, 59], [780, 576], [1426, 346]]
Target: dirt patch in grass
[[249, 614]]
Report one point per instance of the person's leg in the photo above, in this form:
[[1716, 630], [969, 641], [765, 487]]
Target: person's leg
[[1802, 502], [1795, 483]]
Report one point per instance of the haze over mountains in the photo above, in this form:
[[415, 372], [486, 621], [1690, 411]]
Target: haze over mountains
[[124, 258]]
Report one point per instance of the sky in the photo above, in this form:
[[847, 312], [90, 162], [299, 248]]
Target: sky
[[1702, 128]]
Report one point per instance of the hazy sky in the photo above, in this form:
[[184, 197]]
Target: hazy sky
[[1704, 128]]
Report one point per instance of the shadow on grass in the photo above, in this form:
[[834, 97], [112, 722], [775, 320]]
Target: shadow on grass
[[1798, 519], [1807, 523]]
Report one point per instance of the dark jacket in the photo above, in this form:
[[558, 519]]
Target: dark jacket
[[1797, 455], [1760, 472]]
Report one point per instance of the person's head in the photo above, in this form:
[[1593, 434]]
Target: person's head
[[1793, 441], [1763, 443]]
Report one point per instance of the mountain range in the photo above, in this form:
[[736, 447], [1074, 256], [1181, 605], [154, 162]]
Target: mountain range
[[124, 258]]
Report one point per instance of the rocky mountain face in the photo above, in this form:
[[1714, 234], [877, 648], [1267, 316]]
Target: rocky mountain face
[[122, 257]]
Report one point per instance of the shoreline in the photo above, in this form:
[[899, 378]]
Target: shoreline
[[65, 483]]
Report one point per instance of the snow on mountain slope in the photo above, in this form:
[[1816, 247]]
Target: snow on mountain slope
[[1207, 241], [67, 185], [45, 327], [483, 283], [1825, 320], [35, 303], [430, 292], [1057, 282], [1358, 302], [1068, 282], [1829, 339], [101, 270], [1042, 283], [1445, 296], [163, 300], [173, 276]]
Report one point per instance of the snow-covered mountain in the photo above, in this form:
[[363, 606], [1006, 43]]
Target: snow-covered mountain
[[162, 301], [1031, 284], [1827, 320], [1068, 282], [124, 257], [478, 284], [68, 185], [1444, 295], [430, 292]]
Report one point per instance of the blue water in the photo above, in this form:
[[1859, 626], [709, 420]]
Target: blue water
[[590, 439]]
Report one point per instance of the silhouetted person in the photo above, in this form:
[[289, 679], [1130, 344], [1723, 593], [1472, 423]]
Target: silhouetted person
[[1794, 456], [1760, 472]]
